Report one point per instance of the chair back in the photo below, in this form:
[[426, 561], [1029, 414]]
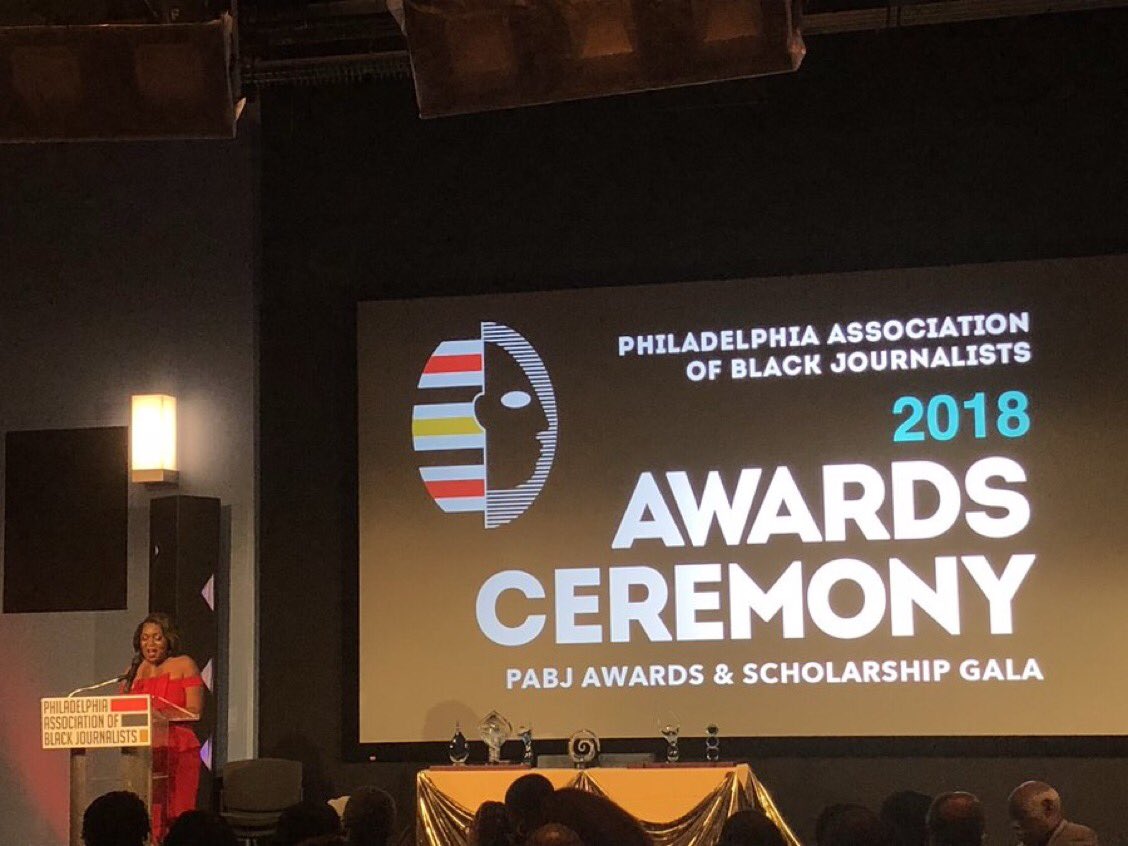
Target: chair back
[[261, 785]]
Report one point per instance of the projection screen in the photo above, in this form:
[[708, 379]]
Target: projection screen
[[873, 504]]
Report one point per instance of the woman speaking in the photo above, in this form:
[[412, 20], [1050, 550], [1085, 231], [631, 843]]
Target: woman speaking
[[160, 670]]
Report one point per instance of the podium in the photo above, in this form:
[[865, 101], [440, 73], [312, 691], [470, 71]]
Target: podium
[[116, 742]]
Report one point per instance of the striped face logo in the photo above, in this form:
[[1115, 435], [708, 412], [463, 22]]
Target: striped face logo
[[485, 428]]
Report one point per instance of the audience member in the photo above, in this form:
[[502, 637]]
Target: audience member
[[595, 819], [956, 819], [750, 828], [554, 834], [855, 825], [905, 812], [305, 820], [116, 819], [525, 800], [490, 826], [1038, 820], [826, 817], [200, 828], [369, 818]]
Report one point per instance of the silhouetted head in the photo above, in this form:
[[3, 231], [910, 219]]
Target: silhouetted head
[[305, 820], [525, 800], [1035, 812], [826, 817], [512, 412], [325, 840], [554, 834], [597, 820], [905, 811], [490, 826], [116, 819], [200, 828], [855, 825], [750, 828], [369, 817], [956, 819]]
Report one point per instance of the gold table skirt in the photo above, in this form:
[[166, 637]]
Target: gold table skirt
[[678, 806]]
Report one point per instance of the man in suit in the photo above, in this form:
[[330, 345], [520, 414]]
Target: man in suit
[[1037, 818], [955, 819]]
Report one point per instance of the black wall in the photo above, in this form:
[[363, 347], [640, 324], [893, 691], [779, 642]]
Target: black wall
[[65, 542], [188, 580], [971, 143]]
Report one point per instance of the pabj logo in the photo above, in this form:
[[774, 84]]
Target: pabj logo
[[486, 426]]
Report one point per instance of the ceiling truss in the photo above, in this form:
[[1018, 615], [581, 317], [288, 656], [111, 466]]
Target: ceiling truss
[[349, 40]]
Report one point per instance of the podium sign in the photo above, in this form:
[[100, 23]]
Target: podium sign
[[115, 743], [96, 722]]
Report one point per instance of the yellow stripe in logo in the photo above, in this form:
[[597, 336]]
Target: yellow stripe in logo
[[446, 426]]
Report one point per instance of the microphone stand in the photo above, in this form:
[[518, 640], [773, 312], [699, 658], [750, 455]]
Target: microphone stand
[[114, 680]]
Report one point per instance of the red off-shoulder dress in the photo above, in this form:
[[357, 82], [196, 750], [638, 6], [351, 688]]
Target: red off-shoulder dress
[[179, 795]]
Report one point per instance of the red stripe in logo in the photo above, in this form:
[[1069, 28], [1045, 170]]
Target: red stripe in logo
[[117, 706], [453, 363], [456, 488]]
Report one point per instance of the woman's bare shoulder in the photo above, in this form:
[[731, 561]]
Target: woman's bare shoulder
[[182, 665]]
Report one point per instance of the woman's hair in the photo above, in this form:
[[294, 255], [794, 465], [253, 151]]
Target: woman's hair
[[168, 629], [171, 636]]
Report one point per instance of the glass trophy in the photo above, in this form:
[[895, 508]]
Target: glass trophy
[[495, 730], [583, 748], [712, 744], [670, 732], [526, 735], [459, 749]]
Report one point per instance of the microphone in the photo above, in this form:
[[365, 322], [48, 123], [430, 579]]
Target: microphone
[[114, 680], [133, 667]]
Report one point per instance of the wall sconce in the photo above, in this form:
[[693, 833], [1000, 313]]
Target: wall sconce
[[152, 439]]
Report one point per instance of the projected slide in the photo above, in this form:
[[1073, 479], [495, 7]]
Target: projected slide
[[876, 504]]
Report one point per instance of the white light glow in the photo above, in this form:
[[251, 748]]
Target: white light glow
[[153, 438]]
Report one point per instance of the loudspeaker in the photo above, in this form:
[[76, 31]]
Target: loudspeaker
[[188, 581], [474, 55], [117, 82]]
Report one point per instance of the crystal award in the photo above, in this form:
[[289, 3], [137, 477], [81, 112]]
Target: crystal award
[[495, 730], [458, 750], [526, 735], [712, 743], [670, 732]]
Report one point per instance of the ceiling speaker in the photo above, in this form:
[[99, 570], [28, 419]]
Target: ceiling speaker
[[117, 81], [475, 55]]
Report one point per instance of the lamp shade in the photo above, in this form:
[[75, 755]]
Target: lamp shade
[[152, 439]]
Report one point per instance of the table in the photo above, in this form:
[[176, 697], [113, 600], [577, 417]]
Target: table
[[678, 806]]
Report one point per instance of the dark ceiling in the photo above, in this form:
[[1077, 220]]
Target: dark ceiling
[[311, 41], [299, 41]]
